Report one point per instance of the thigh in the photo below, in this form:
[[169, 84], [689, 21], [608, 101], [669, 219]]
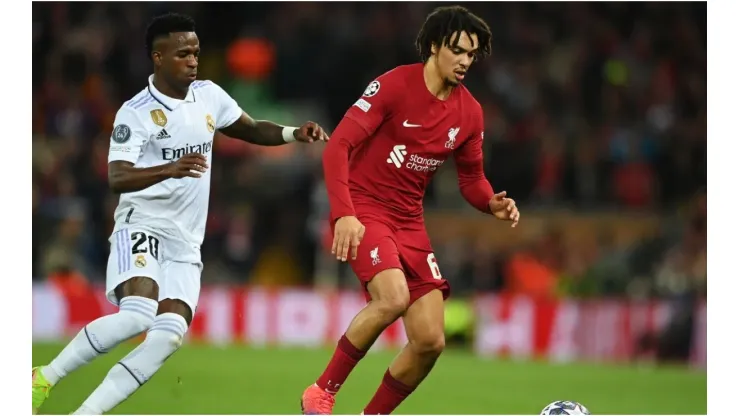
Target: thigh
[[133, 253], [377, 252], [419, 262], [181, 281]]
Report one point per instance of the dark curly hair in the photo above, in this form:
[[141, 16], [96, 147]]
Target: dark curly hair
[[164, 25], [441, 25]]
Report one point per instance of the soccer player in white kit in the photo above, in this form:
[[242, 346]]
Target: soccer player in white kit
[[160, 150]]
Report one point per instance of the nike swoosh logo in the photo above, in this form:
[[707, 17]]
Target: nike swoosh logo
[[406, 124]]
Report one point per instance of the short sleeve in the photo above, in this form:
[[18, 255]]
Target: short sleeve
[[129, 136], [228, 111], [376, 103]]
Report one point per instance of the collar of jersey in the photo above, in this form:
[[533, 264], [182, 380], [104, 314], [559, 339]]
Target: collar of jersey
[[169, 102]]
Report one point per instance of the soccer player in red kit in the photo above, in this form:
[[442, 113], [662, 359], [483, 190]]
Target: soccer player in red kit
[[377, 165]]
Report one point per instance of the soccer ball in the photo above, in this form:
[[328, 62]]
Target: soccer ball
[[565, 408]]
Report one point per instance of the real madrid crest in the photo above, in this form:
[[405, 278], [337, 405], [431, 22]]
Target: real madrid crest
[[140, 261], [210, 123], [158, 117]]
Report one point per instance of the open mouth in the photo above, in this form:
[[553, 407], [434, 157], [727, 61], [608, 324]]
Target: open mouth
[[460, 75], [194, 75]]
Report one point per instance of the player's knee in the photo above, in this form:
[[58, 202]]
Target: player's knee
[[430, 345], [163, 339], [168, 341], [390, 293], [168, 330], [137, 323], [139, 312], [392, 306]]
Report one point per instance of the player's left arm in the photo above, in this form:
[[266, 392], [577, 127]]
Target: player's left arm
[[267, 133], [474, 186], [232, 121]]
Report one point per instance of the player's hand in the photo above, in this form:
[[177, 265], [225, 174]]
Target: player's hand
[[310, 132], [348, 232], [504, 208], [191, 165]]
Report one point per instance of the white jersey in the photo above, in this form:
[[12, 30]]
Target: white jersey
[[152, 129]]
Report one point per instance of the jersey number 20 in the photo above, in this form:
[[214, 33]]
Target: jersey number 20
[[140, 239]]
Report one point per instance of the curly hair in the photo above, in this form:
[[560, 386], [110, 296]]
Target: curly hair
[[445, 25]]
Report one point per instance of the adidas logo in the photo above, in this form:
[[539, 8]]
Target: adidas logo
[[163, 135]]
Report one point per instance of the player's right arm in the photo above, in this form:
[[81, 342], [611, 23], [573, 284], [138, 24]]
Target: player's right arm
[[127, 142], [359, 124]]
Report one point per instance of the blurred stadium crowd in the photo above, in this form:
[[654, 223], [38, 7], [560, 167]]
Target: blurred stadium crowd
[[595, 123]]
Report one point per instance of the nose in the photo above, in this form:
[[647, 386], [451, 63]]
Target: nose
[[467, 61], [193, 62]]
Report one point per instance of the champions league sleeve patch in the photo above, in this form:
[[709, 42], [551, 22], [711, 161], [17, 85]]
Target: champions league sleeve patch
[[372, 89], [121, 133]]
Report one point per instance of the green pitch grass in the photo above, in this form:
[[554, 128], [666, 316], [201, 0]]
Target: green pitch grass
[[241, 380]]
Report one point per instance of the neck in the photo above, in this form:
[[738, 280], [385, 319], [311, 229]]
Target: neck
[[435, 82], [165, 88]]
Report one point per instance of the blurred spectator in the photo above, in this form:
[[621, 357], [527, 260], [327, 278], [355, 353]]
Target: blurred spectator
[[536, 271]]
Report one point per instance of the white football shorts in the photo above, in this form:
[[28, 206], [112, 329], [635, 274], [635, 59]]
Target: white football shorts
[[139, 252]]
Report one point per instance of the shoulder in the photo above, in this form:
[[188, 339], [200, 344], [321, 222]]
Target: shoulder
[[141, 103], [467, 97], [469, 103], [390, 83], [204, 85], [207, 88], [402, 73], [135, 113], [130, 111], [138, 101], [210, 92]]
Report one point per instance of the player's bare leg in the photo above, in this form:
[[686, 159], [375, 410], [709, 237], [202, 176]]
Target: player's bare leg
[[163, 339], [138, 307], [389, 300], [424, 323]]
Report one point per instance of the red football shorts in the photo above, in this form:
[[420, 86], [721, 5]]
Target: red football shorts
[[405, 247]]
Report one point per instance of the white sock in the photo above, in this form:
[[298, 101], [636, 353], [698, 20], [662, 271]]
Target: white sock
[[135, 369], [135, 316]]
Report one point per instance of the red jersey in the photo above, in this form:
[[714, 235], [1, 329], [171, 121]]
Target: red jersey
[[383, 154]]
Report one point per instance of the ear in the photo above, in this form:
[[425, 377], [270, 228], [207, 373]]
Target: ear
[[435, 49], [157, 58]]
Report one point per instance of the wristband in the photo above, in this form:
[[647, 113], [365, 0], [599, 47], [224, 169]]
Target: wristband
[[288, 134]]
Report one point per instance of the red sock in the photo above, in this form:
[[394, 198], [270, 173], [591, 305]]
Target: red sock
[[389, 395], [344, 360]]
